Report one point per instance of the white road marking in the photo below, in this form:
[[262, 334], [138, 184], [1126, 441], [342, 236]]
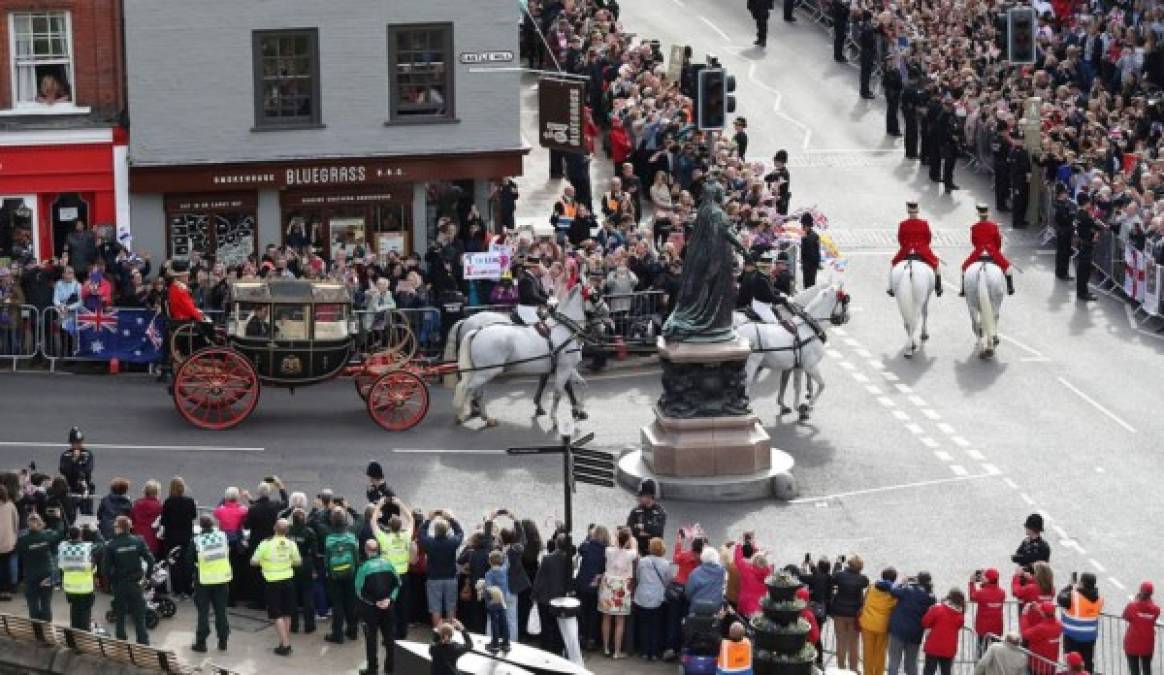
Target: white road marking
[[946, 428], [960, 441], [929, 442], [1099, 469], [904, 388], [1027, 498], [679, 2], [714, 27], [918, 401], [1096, 405], [836, 354], [975, 455], [931, 413], [860, 377], [1060, 531], [876, 365], [915, 429], [960, 470], [886, 401], [863, 353], [839, 331], [872, 389], [847, 366], [1035, 359], [1030, 350], [1010, 483], [116, 446], [1072, 544], [1116, 582], [889, 488], [990, 468], [448, 451], [1095, 563], [902, 415], [889, 376], [852, 342], [943, 455]]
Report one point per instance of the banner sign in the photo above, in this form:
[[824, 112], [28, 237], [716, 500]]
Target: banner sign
[[560, 123], [1134, 273], [484, 265], [1153, 276]]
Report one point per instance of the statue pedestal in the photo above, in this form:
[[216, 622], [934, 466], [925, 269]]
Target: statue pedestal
[[705, 443]]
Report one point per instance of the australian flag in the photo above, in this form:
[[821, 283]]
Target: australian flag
[[129, 335]]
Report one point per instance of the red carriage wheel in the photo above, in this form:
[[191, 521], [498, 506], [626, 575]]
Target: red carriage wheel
[[216, 388], [364, 380], [398, 400]]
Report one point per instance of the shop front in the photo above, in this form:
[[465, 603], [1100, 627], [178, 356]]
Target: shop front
[[360, 206], [50, 181]]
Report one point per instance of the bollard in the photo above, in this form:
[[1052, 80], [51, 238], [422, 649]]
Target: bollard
[[114, 366]]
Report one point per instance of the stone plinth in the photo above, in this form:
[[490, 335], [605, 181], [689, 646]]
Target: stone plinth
[[706, 446], [704, 380]]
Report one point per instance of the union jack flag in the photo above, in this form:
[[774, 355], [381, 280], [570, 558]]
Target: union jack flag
[[153, 332], [98, 321]]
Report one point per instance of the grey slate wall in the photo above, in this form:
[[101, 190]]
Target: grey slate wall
[[191, 88]]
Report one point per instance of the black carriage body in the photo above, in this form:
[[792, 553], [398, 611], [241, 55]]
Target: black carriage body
[[294, 332]]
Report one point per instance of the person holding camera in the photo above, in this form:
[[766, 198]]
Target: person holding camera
[[1141, 614], [983, 589], [440, 537], [1082, 608], [848, 596]]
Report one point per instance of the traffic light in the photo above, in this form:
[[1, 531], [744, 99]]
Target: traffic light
[[1020, 35], [714, 101]]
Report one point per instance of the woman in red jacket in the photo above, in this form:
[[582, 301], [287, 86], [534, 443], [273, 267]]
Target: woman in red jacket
[[985, 591], [813, 626], [145, 513], [944, 621], [1039, 587], [1042, 632], [753, 568], [1140, 640]]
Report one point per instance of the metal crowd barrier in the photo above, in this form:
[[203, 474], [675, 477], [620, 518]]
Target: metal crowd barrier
[[19, 332]]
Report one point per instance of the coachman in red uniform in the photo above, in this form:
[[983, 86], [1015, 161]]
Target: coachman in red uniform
[[986, 239], [914, 237], [178, 298]]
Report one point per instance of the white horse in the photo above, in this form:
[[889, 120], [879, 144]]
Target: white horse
[[773, 347], [913, 283], [498, 348], [985, 287]]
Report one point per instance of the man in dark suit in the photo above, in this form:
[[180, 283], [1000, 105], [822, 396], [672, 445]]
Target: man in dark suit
[[760, 10], [893, 85], [809, 251], [789, 5], [840, 11], [867, 39], [1087, 228], [911, 100]]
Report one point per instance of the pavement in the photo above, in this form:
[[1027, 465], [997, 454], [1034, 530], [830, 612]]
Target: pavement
[[927, 463]]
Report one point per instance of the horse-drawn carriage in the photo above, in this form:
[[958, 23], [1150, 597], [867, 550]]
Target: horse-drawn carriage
[[289, 333]]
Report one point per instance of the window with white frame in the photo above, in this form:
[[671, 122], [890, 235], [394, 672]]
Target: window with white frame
[[42, 59]]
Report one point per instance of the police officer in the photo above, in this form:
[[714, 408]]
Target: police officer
[[77, 559], [760, 10], [648, 519], [1020, 181], [377, 586], [1033, 547], [926, 115], [35, 550], [840, 11], [912, 99], [397, 547], [932, 145], [530, 294], [867, 37], [1064, 217], [76, 466], [892, 85], [124, 555], [809, 251], [951, 135], [1000, 147], [277, 558], [1087, 229], [210, 557]]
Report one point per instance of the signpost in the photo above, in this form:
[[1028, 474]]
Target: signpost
[[578, 465]]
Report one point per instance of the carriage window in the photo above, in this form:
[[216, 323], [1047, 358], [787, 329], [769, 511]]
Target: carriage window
[[291, 322], [253, 321], [330, 322]]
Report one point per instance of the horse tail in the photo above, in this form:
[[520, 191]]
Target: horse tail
[[452, 345], [464, 365], [985, 305], [905, 299]]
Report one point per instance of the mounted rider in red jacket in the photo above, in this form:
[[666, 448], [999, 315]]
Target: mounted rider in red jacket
[[914, 237], [986, 239]]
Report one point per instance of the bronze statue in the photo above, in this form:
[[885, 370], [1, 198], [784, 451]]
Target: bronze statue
[[707, 290]]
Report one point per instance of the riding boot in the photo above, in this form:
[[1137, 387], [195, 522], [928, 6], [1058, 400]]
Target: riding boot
[[889, 290], [1009, 285], [962, 291], [938, 285]]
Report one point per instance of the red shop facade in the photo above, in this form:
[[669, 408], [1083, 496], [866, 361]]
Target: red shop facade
[[50, 180]]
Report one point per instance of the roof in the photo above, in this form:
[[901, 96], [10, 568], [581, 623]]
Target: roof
[[289, 291]]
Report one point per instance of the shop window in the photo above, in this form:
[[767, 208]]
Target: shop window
[[17, 228], [42, 59], [286, 65], [420, 72], [220, 228]]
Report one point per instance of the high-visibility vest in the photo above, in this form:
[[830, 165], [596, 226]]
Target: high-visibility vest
[[213, 558], [76, 562], [277, 558], [394, 549], [1081, 619], [735, 657]]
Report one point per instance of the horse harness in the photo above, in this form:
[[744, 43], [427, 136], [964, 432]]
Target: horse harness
[[798, 345]]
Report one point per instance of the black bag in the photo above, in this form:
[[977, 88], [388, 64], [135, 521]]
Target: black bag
[[675, 593]]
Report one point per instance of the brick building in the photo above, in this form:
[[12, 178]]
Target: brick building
[[63, 148]]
